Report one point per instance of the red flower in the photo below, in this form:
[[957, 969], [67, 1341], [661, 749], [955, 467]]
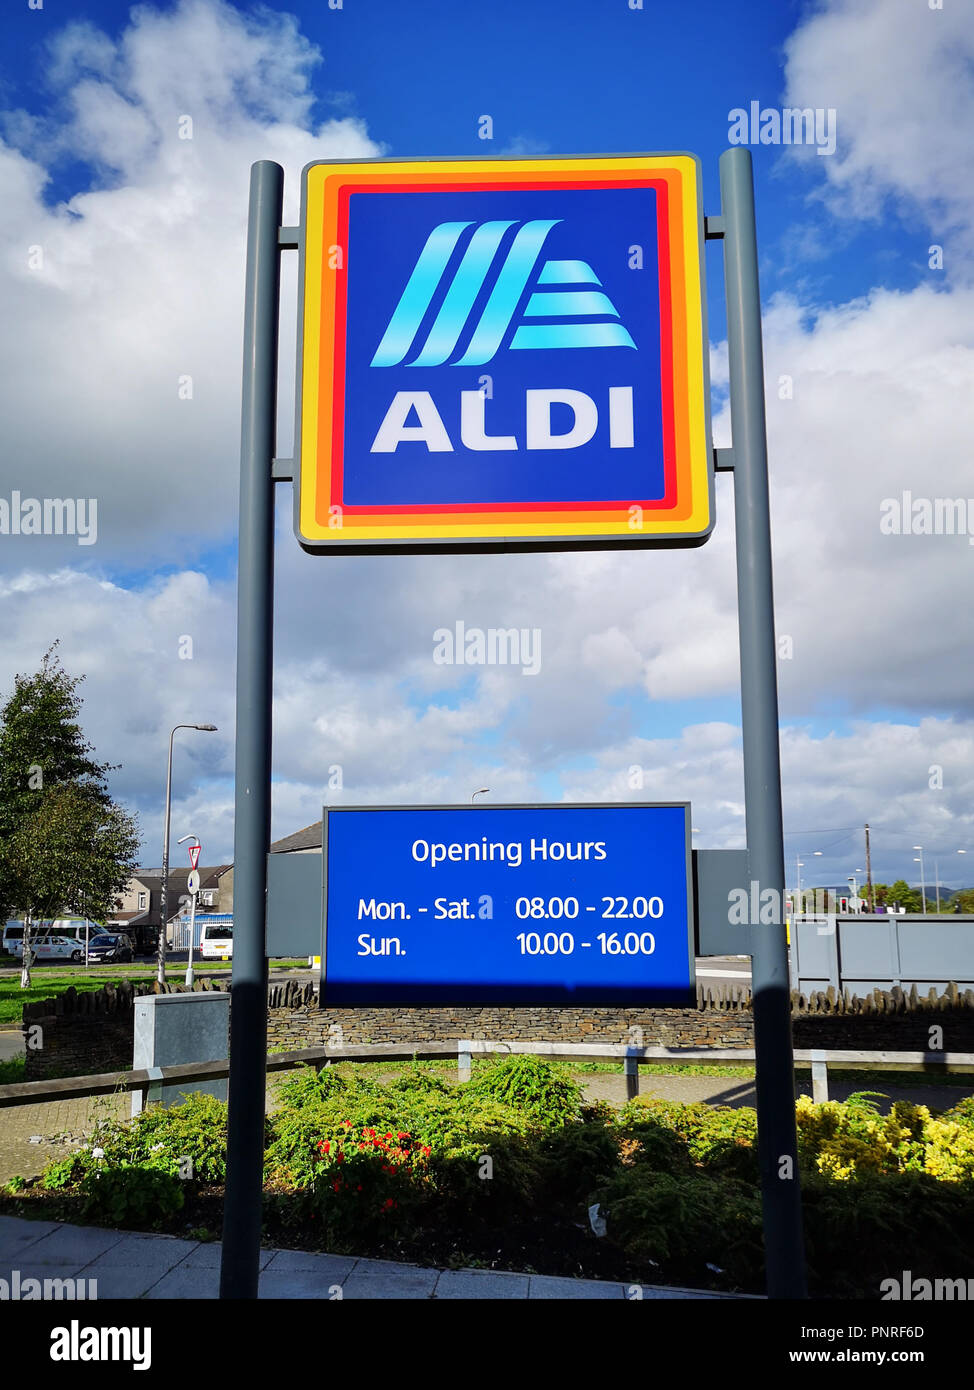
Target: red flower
[[335, 1186], [388, 1204], [324, 1146], [339, 1158]]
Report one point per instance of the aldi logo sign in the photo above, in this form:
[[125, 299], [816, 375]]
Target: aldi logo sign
[[503, 354]]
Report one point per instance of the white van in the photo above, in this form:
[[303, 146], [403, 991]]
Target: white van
[[216, 937], [13, 937]]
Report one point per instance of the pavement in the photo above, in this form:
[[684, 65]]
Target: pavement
[[129, 1265]]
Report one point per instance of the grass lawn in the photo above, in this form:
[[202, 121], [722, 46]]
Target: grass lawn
[[47, 984], [862, 1080]]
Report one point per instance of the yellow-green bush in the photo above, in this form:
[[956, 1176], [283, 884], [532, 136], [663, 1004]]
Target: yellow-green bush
[[845, 1139]]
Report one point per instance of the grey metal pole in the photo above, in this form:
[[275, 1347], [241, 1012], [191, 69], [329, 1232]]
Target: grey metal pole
[[255, 605], [164, 890], [775, 1076]]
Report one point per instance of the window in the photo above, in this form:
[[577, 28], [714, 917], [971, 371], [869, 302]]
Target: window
[[143, 903], [207, 898]]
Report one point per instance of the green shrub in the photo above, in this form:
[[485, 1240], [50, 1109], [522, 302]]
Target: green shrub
[[545, 1090], [308, 1085], [576, 1159], [135, 1197], [689, 1226], [719, 1138], [859, 1233], [66, 1173], [163, 1138]]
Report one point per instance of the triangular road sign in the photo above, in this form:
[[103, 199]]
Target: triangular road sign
[[194, 855]]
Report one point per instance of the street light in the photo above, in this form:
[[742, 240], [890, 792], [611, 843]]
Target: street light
[[479, 792], [799, 865], [923, 881], [164, 905]]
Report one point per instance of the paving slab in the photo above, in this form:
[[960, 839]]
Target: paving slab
[[18, 1234], [130, 1268], [302, 1284], [207, 1255], [74, 1246], [386, 1279], [481, 1283], [328, 1267], [134, 1249], [549, 1286], [187, 1282]]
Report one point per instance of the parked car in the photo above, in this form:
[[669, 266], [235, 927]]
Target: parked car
[[73, 928], [51, 947], [110, 946]]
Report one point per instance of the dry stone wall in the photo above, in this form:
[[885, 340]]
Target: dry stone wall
[[82, 1033]]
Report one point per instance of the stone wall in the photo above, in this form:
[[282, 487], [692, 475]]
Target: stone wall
[[82, 1033]]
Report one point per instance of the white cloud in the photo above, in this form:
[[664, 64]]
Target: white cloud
[[141, 278], [898, 74]]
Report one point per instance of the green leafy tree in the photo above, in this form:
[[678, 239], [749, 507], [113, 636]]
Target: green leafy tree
[[64, 844], [904, 896], [963, 901]]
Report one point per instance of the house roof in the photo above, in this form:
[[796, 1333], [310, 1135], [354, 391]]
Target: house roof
[[308, 838], [177, 877], [152, 882]]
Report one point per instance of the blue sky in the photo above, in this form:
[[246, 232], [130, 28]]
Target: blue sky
[[144, 245]]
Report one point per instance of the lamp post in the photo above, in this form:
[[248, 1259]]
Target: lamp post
[[799, 865], [164, 903], [479, 792], [923, 881]]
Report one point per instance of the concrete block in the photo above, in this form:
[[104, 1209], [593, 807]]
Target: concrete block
[[174, 1028]]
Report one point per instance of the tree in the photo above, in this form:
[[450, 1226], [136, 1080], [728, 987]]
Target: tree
[[64, 844], [904, 896]]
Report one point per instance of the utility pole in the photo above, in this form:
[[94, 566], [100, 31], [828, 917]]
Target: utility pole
[[869, 874]]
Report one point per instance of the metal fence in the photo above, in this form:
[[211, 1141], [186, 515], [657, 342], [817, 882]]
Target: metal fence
[[864, 953], [150, 1081]]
